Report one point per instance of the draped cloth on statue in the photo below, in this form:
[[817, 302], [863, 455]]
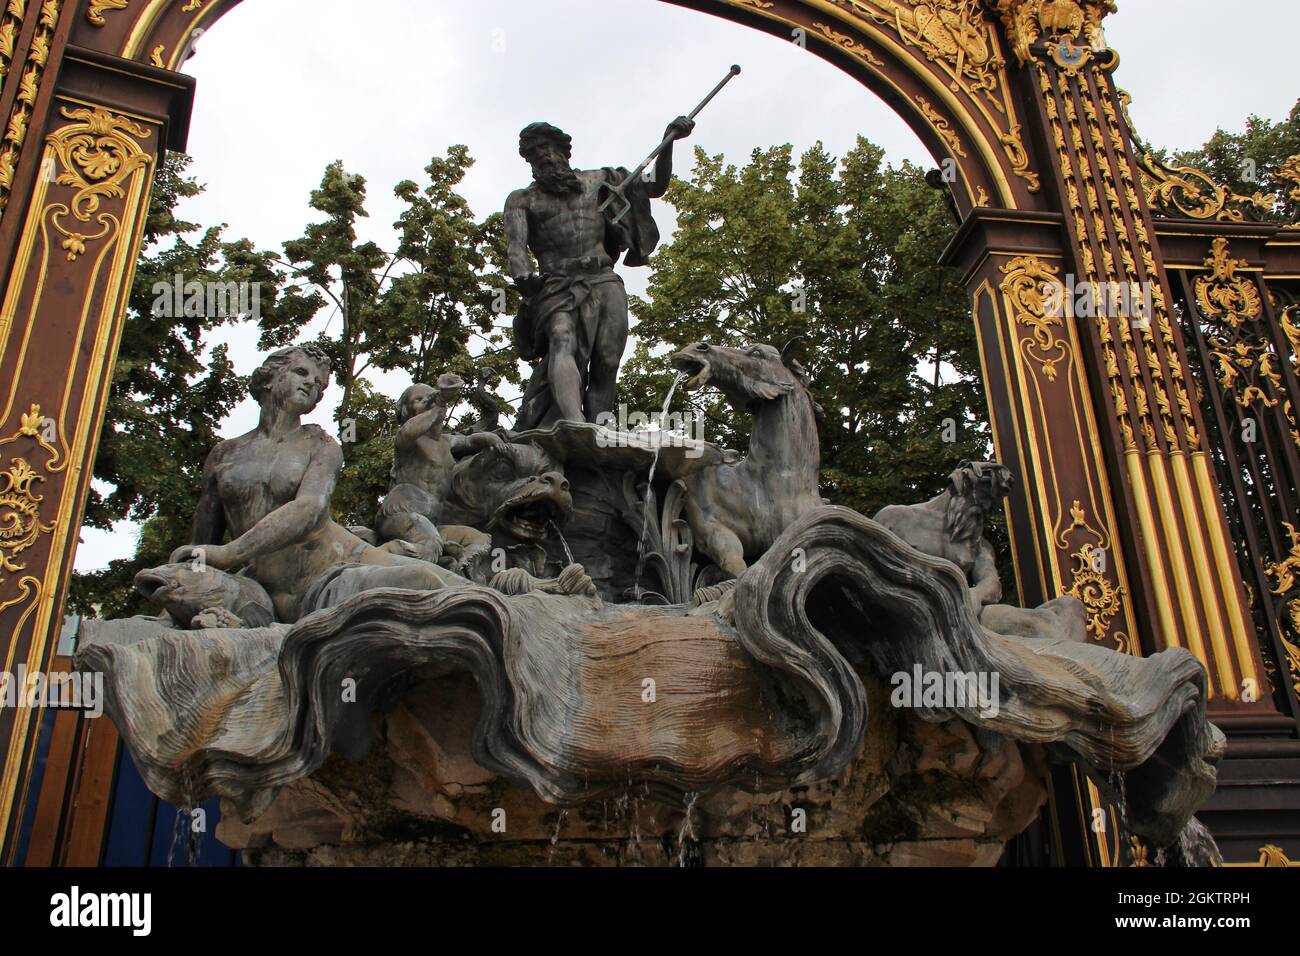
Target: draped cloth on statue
[[768, 694], [580, 296], [576, 290]]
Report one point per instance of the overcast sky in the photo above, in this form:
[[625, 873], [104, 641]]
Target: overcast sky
[[286, 87]]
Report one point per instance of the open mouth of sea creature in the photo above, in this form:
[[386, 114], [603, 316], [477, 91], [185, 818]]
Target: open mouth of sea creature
[[528, 517], [692, 365], [154, 585]]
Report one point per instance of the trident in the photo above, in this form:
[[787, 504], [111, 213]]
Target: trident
[[616, 192]]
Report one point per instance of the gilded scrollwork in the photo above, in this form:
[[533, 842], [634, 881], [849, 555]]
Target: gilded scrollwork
[[960, 39], [1175, 189], [11, 22], [1285, 572], [97, 153], [952, 32], [1223, 294], [1090, 582], [1289, 320], [1028, 21], [97, 8], [1030, 288], [20, 506], [1290, 171], [848, 44], [1241, 366], [941, 126], [1284, 576]]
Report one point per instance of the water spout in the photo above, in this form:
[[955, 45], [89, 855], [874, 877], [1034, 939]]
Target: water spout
[[649, 487]]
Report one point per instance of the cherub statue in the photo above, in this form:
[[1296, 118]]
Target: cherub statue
[[424, 457]]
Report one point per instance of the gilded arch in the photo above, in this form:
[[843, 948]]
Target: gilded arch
[[942, 65], [1101, 421]]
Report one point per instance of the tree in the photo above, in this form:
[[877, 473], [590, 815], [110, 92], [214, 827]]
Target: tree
[[418, 309], [1252, 161], [845, 255], [166, 402]]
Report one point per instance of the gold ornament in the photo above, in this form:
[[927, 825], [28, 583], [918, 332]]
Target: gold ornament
[[95, 11], [1029, 287], [1099, 596], [849, 45], [98, 153], [1139, 851], [1290, 171], [1025, 21], [20, 506], [20, 115], [1274, 856], [1225, 295], [958, 37]]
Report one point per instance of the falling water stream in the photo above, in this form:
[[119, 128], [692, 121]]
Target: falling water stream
[[183, 825], [687, 831], [649, 487], [568, 554], [183, 829]]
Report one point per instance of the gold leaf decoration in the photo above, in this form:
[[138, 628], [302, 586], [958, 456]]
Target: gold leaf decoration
[[1101, 598], [97, 153], [20, 505], [941, 126], [1029, 285], [1290, 171], [960, 39], [95, 11], [1223, 294], [847, 43], [1026, 21], [1140, 852], [1173, 189], [15, 135], [1272, 855], [1284, 573]]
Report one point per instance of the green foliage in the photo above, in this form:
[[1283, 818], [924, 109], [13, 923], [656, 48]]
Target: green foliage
[[845, 255], [1248, 162], [365, 475], [166, 402], [419, 309]]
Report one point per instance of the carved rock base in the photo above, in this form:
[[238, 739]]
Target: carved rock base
[[916, 794]]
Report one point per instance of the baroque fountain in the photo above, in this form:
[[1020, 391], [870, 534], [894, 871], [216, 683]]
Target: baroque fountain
[[563, 643]]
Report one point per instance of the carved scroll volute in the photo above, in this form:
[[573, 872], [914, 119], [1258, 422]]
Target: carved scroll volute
[[96, 155]]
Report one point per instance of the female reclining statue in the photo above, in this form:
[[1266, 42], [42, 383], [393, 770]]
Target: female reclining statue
[[270, 491]]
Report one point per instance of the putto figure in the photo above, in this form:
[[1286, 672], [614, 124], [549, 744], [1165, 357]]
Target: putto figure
[[425, 455], [573, 322]]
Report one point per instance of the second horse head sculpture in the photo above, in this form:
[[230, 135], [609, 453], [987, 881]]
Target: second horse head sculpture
[[737, 510]]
